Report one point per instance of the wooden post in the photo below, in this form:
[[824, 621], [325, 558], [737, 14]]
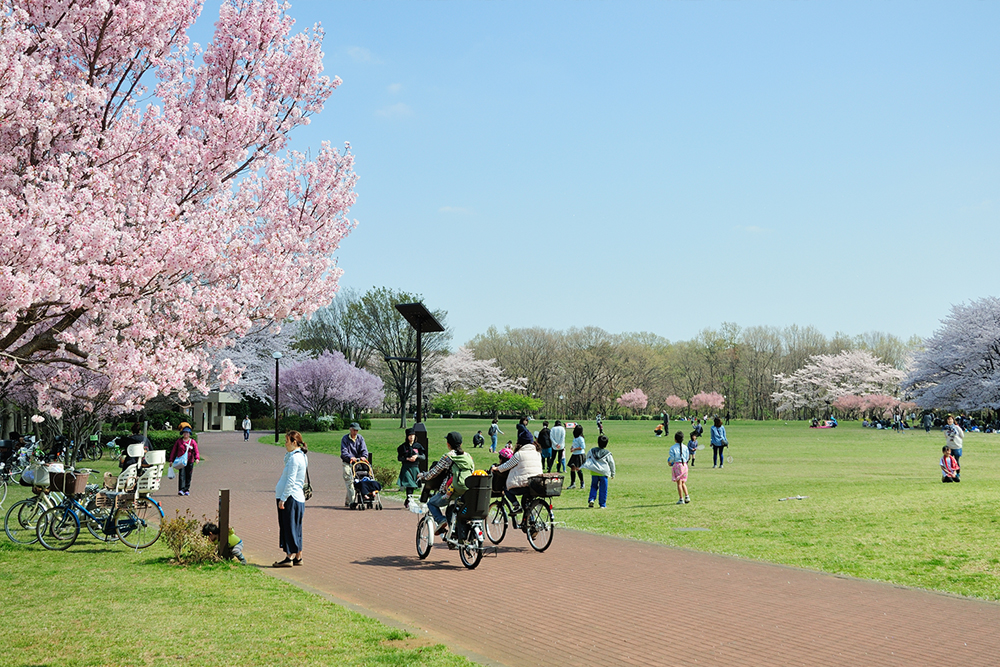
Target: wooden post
[[224, 524]]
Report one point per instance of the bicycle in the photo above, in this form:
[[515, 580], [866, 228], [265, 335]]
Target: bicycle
[[465, 531], [538, 518], [22, 517]]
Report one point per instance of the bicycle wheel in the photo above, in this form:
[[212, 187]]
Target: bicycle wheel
[[538, 521], [97, 523], [425, 538], [95, 452], [139, 526], [58, 528], [19, 524], [471, 552], [3, 489], [496, 522]]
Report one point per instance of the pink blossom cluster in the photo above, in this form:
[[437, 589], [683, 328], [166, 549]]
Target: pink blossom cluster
[[328, 384], [634, 400], [874, 405], [708, 401], [675, 402], [135, 238]]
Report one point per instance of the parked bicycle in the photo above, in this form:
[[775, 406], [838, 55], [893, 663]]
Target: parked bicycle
[[537, 516], [22, 517]]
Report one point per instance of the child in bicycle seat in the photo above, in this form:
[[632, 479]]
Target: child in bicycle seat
[[211, 531]]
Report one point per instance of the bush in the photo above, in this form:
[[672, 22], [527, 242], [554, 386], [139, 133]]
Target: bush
[[331, 423], [364, 422], [386, 476], [183, 535]]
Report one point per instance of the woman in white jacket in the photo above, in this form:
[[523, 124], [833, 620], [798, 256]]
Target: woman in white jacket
[[523, 465]]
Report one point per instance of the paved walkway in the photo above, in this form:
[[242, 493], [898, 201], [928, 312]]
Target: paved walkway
[[588, 600]]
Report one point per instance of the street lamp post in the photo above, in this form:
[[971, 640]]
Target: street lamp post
[[277, 385]]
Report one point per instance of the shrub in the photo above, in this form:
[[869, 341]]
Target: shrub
[[183, 535], [331, 423], [386, 476]]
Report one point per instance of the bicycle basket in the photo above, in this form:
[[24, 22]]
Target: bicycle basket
[[68, 482], [546, 485]]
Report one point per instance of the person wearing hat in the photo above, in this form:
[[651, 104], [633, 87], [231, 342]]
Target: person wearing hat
[[409, 454], [186, 445], [352, 450], [452, 469]]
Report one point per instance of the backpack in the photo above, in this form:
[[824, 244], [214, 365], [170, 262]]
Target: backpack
[[493, 429]]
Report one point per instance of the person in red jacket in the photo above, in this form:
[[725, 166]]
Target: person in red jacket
[[186, 446]]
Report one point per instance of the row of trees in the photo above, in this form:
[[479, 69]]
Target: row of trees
[[582, 371]]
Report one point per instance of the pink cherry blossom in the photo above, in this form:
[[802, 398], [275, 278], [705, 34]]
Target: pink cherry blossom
[[634, 400], [138, 236]]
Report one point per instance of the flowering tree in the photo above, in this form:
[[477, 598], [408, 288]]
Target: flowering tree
[[136, 237], [827, 377], [634, 400], [708, 401], [675, 402], [850, 405], [329, 384], [253, 356], [462, 370], [959, 367]]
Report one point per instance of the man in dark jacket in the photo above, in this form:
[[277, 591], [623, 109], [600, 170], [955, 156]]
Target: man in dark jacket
[[352, 449]]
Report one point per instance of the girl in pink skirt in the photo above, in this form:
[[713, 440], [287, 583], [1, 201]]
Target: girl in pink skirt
[[678, 459]]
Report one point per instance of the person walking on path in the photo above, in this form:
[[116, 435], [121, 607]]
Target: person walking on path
[[187, 447], [601, 465], [493, 431], [352, 450], [545, 444], [246, 428], [678, 459], [719, 443], [558, 436], [576, 451], [409, 454], [954, 434], [291, 500]]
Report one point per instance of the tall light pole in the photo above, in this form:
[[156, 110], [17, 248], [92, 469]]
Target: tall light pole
[[277, 385]]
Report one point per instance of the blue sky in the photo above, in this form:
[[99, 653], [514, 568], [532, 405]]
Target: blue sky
[[667, 166]]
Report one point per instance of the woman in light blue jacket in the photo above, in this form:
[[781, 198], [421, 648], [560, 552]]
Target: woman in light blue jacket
[[719, 442], [291, 499]]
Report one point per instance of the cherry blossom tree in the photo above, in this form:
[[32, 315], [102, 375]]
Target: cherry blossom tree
[[959, 367], [253, 357], [327, 384], [708, 401], [634, 400], [675, 402], [462, 370], [850, 405], [137, 237], [827, 377]]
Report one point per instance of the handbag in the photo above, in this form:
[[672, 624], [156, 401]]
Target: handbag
[[171, 472], [593, 466], [181, 461], [307, 489]]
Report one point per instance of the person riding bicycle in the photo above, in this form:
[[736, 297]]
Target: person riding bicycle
[[523, 465], [458, 464]]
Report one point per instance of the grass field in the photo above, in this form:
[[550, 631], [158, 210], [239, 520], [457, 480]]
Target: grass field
[[876, 508], [98, 604]]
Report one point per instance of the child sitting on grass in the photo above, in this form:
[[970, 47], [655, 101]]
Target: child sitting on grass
[[211, 531], [949, 466]]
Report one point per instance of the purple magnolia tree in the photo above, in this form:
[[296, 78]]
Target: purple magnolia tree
[[959, 367], [708, 401], [634, 400], [328, 384]]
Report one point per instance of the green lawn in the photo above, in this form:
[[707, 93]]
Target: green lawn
[[97, 604], [876, 508]]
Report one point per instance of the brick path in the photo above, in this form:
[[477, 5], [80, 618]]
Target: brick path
[[590, 599]]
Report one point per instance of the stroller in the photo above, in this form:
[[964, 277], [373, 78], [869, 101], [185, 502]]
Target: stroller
[[366, 487]]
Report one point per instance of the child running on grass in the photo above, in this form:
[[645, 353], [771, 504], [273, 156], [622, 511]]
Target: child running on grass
[[211, 531], [692, 447], [678, 460]]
